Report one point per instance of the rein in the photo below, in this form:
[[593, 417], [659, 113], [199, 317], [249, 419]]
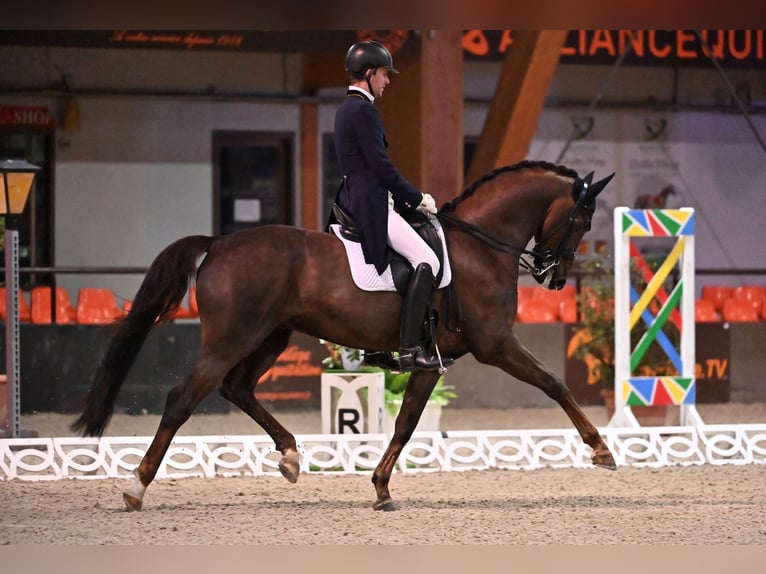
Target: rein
[[493, 242], [543, 261]]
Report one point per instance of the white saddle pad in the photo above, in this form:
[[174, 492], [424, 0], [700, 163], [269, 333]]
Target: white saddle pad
[[366, 276]]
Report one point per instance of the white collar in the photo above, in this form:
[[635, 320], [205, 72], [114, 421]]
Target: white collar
[[362, 90]]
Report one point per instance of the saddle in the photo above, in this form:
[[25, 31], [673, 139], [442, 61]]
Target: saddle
[[401, 270]]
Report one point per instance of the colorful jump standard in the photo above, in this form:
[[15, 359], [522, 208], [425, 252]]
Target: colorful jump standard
[[631, 307]]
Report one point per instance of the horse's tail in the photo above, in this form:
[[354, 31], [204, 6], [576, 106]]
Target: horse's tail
[[160, 293]]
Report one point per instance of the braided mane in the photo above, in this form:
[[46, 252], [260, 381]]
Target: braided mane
[[526, 164]]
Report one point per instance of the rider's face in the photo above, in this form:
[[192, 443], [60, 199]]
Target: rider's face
[[379, 80]]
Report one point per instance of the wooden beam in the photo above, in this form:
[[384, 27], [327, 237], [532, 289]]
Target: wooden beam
[[309, 148], [322, 70], [441, 146], [519, 97]]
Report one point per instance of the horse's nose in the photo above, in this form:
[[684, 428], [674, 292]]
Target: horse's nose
[[558, 284]]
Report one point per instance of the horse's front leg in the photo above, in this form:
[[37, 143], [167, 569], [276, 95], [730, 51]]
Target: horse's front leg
[[517, 361], [416, 396]]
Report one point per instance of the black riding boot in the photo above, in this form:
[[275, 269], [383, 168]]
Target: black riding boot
[[414, 346]]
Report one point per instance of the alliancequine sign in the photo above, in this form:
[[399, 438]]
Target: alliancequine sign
[[733, 48]]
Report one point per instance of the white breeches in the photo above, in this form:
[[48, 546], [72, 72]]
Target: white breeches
[[405, 240]]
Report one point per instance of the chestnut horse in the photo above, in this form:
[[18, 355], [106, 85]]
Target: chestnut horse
[[255, 287]]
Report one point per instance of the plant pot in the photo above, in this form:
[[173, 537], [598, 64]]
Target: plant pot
[[352, 359], [430, 419], [647, 416]]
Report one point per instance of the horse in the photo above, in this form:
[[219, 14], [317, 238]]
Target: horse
[[256, 286], [654, 201]]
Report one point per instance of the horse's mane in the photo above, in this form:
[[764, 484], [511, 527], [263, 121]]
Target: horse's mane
[[526, 164]]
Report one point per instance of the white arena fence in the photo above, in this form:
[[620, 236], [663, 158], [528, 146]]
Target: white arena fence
[[211, 456]]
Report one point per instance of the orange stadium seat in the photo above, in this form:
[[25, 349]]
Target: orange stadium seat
[[754, 294], [704, 312], [536, 311], [739, 311], [716, 294], [568, 310], [25, 314], [41, 306], [96, 306], [555, 297], [524, 292], [182, 312], [193, 301]]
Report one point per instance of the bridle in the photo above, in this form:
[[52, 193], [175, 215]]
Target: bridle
[[537, 262]]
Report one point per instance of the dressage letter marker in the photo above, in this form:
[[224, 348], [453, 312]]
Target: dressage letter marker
[[352, 402]]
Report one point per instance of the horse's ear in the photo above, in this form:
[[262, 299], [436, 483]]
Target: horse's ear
[[598, 187], [580, 183]]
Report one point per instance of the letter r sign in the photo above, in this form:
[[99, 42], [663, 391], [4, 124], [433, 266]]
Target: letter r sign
[[348, 418]]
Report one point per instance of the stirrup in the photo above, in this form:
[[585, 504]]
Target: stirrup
[[382, 359], [419, 359]]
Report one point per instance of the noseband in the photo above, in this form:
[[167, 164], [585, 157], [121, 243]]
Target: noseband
[[542, 261]]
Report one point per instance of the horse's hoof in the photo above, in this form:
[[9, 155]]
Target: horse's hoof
[[131, 502], [289, 466], [386, 505], [604, 459]]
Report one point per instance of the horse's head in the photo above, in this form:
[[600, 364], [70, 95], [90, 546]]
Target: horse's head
[[563, 229]]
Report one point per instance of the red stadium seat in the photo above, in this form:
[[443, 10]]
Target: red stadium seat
[[555, 297], [716, 294], [524, 292], [182, 312], [704, 312], [739, 311], [193, 301], [25, 314], [536, 311], [41, 306], [754, 294], [97, 306], [568, 310]]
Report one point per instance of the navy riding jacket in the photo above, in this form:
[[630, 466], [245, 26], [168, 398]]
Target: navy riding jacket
[[360, 144]]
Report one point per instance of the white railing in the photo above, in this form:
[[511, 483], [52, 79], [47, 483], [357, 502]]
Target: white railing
[[209, 456]]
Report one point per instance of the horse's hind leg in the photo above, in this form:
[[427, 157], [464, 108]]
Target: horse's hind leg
[[239, 387], [520, 363], [179, 405]]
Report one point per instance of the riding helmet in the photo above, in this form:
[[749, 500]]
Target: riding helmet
[[368, 54]]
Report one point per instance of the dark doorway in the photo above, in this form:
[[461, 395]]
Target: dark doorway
[[252, 180]]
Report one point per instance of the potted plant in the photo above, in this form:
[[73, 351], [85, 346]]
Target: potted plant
[[396, 384], [594, 342], [342, 358]]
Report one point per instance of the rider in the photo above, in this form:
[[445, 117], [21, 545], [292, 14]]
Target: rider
[[373, 192]]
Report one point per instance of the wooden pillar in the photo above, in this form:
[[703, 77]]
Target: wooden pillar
[[310, 181], [441, 146], [401, 111], [519, 97]]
